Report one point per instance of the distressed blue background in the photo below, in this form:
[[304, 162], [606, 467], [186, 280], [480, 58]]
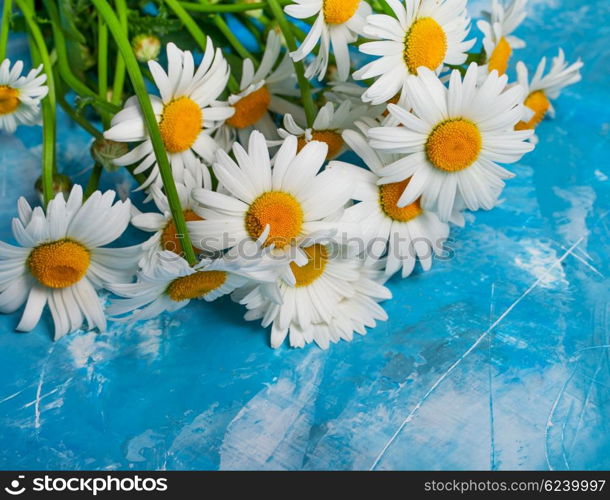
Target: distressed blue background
[[497, 359]]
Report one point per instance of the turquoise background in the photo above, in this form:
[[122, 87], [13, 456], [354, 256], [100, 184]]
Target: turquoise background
[[495, 359]]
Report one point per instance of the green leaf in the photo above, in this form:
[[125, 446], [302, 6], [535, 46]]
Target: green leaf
[[68, 14]]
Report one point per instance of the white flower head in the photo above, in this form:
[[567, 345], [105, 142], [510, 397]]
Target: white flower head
[[300, 204], [332, 297], [403, 234], [187, 112], [542, 89], [20, 96], [171, 284], [425, 33], [452, 139], [498, 40], [330, 122], [165, 237], [338, 23], [60, 260], [261, 93]]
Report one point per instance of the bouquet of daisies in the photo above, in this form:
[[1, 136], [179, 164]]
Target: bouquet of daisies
[[293, 154]]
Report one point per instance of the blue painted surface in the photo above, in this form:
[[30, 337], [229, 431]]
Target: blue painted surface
[[494, 359]]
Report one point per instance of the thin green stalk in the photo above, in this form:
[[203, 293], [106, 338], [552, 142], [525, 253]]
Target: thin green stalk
[[119, 72], [94, 180], [102, 65], [222, 26], [77, 118], [137, 80], [188, 22], [232, 39], [64, 65], [197, 34], [299, 68], [7, 11], [48, 103], [216, 8]]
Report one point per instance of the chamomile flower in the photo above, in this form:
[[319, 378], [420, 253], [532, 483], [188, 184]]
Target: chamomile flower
[[452, 140], [327, 127], [171, 284], [260, 94], [293, 199], [60, 260], [165, 237], [332, 296], [405, 234], [20, 96], [338, 23], [426, 33], [187, 112], [498, 40], [542, 89]]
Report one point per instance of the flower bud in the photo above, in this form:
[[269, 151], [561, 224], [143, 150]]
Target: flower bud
[[61, 184], [105, 151], [146, 47]]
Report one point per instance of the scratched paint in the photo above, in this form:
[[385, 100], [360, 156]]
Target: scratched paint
[[497, 358]]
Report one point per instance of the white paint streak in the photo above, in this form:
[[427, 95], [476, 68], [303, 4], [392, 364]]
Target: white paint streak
[[442, 378]]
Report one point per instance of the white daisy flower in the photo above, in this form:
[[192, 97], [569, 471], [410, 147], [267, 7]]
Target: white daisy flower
[[332, 296], [260, 95], [542, 89], [405, 234], [498, 40], [338, 23], [162, 224], [172, 283], [426, 33], [60, 260], [452, 140], [20, 96], [327, 127], [187, 112], [294, 199]]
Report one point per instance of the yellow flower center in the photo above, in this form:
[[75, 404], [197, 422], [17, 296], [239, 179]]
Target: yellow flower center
[[9, 99], [180, 124], [195, 285], [339, 11], [251, 108], [317, 257], [499, 57], [59, 264], [389, 194], [425, 45], [169, 237], [454, 145], [281, 211], [330, 137], [539, 103]]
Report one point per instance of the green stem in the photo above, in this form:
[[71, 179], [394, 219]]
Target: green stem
[[119, 72], [7, 12], [197, 34], [77, 118], [94, 180], [299, 68], [188, 22], [64, 65], [232, 39], [102, 65], [217, 8], [137, 80], [48, 103], [222, 26]]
